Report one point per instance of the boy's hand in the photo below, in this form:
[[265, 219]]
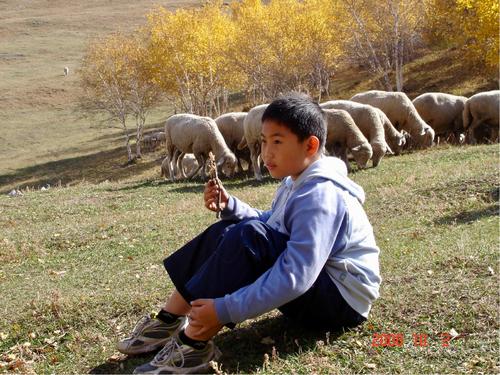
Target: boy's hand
[[203, 320], [210, 195]]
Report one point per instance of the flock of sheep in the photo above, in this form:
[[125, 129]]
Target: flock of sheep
[[368, 126]]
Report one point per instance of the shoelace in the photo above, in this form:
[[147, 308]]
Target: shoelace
[[140, 325], [167, 351]]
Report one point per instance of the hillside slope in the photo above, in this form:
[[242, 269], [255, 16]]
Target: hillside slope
[[45, 140]]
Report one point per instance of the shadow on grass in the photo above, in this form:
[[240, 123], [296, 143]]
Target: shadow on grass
[[468, 217], [96, 167], [243, 351], [197, 185]]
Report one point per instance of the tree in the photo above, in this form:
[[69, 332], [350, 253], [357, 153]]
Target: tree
[[105, 84], [471, 25], [116, 78], [143, 92], [285, 45], [384, 34], [188, 48]]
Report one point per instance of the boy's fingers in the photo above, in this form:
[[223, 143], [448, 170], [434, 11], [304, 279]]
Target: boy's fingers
[[197, 302]]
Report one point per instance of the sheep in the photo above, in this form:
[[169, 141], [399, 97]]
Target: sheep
[[66, 71], [401, 112], [481, 109], [343, 135], [395, 139], [368, 121], [231, 127], [153, 140], [189, 133], [188, 163], [443, 112], [252, 127]]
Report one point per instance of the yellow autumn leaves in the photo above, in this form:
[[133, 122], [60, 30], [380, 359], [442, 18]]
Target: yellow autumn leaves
[[472, 25], [199, 58]]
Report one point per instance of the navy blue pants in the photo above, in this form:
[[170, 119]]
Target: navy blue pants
[[229, 255]]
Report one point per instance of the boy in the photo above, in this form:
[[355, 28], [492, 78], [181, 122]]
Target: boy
[[313, 255]]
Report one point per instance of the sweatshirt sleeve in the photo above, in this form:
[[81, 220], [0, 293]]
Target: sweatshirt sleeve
[[314, 218], [238, 210]]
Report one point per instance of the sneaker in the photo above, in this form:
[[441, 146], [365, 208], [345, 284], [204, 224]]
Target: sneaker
[[178, 358], [150, 334]]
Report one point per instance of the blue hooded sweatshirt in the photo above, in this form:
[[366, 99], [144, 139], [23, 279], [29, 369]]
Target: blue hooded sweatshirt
[[321, 212]]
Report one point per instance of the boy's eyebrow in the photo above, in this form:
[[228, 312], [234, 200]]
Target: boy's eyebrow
[[272, 135]]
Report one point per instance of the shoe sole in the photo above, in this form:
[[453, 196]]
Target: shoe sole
[[152, 347], [201, 369]]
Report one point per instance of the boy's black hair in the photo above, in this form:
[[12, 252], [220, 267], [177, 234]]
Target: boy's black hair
[[299, 113]]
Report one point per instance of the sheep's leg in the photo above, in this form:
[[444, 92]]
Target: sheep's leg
[[254, 155], [378, 154], [203, 161], [175, 158], [164, 168], [472, 128], [342, 152], [170, 155], [180, 168], [199, 159], [240, 168]]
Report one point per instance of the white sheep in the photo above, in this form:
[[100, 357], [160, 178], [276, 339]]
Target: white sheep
[[252, 127], [66, 71], [395, 139], [232, 129], [443, 112], [481, 114], [189, 133], [368, 121], [188, 164], [343, 135], [401, 112]]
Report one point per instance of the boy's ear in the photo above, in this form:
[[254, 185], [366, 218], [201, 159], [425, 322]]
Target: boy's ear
[[312, 145]]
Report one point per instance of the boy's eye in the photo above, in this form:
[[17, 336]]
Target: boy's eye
[[277, 142]]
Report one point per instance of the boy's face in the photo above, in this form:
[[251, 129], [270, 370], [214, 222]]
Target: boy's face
[[282, 152]]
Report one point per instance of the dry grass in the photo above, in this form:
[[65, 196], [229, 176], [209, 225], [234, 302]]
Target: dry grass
[[81, 264]]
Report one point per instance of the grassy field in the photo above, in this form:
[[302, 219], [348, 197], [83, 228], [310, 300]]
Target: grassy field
[[80, 264]]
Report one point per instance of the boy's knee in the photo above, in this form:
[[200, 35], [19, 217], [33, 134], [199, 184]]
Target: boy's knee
[[253, 229]]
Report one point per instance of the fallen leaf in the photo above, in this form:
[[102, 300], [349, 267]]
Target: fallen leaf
[[453, 333], [430, 272], [115, 357], [370, 365], [491, 271]]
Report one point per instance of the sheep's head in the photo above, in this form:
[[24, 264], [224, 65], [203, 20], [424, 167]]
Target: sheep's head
[[426, 137], [227, 164], [362, 153]]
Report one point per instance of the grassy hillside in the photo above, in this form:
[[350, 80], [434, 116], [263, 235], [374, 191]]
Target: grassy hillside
[[38, 39], [44, 139], [81, 264], [81, 261]]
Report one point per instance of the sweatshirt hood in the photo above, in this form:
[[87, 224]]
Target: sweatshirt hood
[[333, 169]]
